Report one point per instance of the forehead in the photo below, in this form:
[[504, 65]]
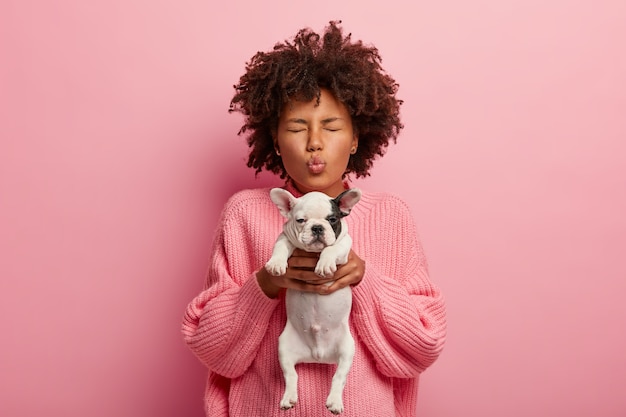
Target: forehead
[[313, 208], [328, 107]]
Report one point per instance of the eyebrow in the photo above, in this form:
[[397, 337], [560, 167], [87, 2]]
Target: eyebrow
[[324, 122]]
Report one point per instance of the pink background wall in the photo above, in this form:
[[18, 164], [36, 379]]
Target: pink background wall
[[117, 153]]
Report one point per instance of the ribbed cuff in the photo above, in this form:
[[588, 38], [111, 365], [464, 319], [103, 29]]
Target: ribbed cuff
[[255, 305]]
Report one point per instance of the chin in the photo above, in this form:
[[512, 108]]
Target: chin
[[314, 247], [314, 183]]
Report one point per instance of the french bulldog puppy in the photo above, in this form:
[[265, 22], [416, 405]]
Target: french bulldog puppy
[[317, 328]]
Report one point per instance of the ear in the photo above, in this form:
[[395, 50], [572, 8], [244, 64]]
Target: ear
[[346, 200], [283, 199], [275, 141]]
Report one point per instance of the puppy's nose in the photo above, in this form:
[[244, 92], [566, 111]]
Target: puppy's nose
[[317, 229]]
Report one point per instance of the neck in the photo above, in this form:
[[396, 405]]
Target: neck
[[332, 192]]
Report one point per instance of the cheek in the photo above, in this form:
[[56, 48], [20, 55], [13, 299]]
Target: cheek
[[341, 151], [288, 153]]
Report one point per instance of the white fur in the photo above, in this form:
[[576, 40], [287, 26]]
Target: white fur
[[317, 328]]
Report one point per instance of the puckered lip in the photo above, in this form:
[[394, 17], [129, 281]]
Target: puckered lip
[[316, 164], [316, 160]]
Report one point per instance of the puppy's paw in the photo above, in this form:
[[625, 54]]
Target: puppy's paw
[[325, 268], [334, 404], [276, 267], [288, 401]]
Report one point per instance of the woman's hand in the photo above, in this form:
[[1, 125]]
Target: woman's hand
[[300, 275], [350, 273]]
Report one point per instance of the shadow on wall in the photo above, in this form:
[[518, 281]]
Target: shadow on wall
[[217, 170]]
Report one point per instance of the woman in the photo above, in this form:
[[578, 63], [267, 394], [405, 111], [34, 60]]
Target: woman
[[318, 109]]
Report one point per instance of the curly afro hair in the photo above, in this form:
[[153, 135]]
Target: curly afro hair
[[298, 70]]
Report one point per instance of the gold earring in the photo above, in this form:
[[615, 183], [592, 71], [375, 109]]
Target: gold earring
[[277, 151], [353, 150]]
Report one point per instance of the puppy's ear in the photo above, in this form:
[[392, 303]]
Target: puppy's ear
[[283, 199], [346, 200]]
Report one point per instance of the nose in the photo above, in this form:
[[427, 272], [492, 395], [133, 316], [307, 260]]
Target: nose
[[315, 141], [317, 229]]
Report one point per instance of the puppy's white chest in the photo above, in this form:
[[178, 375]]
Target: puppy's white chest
[[326, 310]]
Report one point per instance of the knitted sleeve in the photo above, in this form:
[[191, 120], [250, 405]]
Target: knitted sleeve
[[398, 313], [226, 322]]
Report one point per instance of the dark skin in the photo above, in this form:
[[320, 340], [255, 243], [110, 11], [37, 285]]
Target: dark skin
[[300, 275]]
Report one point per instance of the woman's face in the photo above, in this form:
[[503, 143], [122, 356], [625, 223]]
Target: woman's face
[[315, 143]]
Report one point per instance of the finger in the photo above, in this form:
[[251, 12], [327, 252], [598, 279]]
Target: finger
[[306, 286], [307, 275], [352, 271], [304, 254], [337, 285], [302, 262]]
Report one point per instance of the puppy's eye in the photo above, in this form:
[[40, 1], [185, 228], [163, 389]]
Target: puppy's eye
[[300, 220], [332, 220]]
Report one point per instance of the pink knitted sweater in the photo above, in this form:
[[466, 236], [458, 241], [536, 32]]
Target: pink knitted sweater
[[397, 320]]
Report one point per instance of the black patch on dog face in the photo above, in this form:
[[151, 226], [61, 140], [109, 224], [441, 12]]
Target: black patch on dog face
[[335, 217]]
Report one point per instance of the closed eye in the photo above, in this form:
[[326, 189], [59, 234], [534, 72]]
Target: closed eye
[[300, 220]]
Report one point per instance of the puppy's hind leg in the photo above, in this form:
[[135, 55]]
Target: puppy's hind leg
[[334, 402], [288, 361], [290, 397]]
